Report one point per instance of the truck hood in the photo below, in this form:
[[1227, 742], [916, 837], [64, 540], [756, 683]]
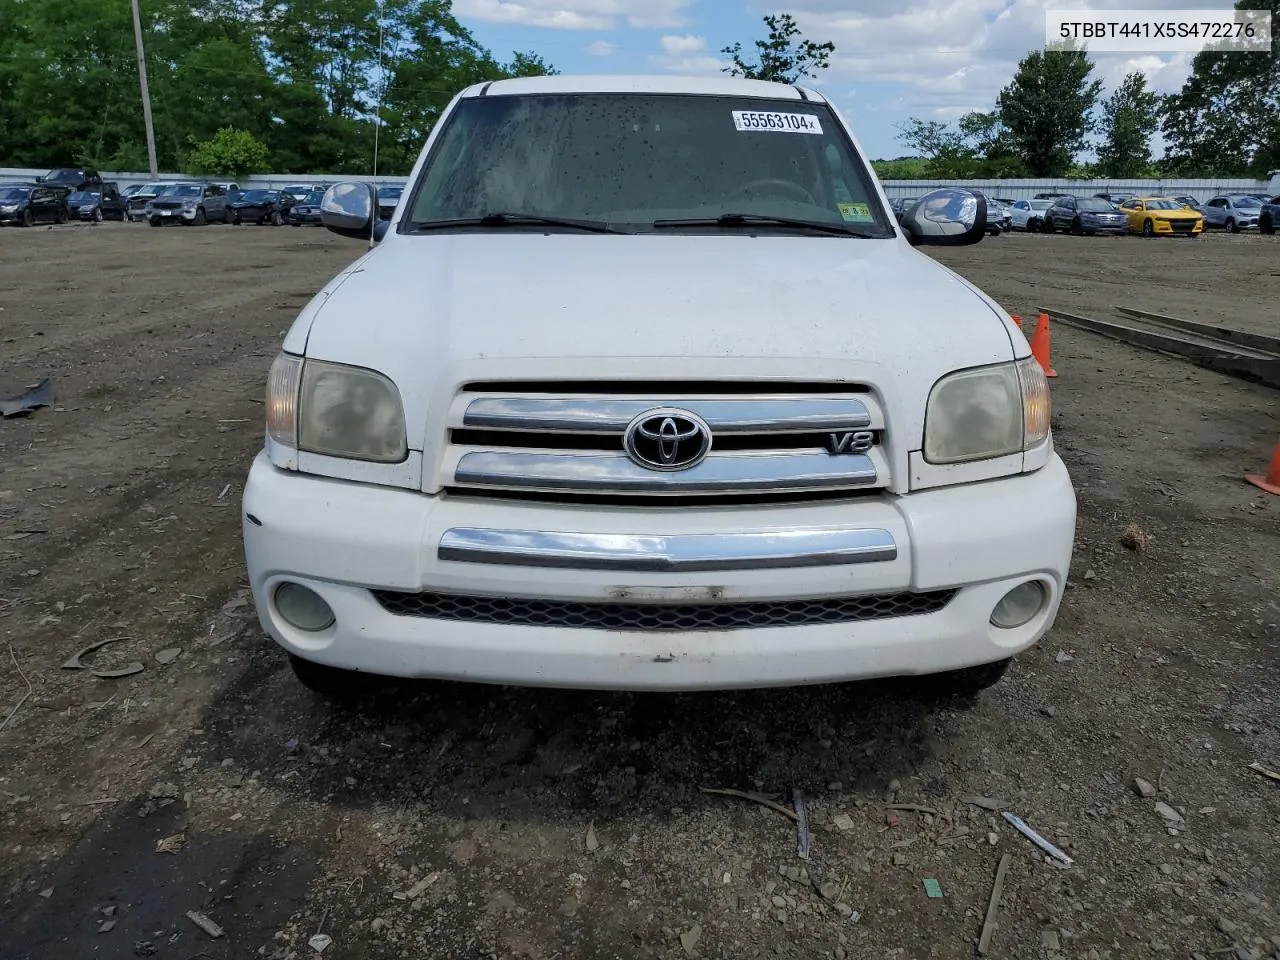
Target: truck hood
[[436, 311]]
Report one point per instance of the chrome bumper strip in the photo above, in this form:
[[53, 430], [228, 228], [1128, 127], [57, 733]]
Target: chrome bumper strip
[[668, 554], [615, 473]]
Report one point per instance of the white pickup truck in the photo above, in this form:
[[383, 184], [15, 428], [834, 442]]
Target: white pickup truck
[[643, 386]]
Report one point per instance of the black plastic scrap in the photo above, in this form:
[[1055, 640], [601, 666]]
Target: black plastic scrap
[[41, 395]]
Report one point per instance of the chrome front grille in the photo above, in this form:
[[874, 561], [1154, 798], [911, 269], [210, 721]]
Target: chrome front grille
[[659, 617], [559, 441]]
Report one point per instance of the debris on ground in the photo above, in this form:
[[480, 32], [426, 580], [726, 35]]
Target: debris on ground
[[417, 890], [1063, 657], [1144, 788], [689, 939], [802, 825], [320, 942], [1172, 817], [932, 888], [1265, 771], [842, 822], [759, 798], [1133, 537], [986, 803], [168, 655], [993, 904], [75, 664], [33, 398], [171, 844], [106, 926], [128, 670], [205, 924], [25, 697], [593, 843], [1039, 841]]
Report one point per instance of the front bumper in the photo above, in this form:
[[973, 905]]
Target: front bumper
[[295, 217], [186, 216], [345, 540]]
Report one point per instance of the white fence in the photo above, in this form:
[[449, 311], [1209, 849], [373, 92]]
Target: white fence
[[262, 181], [1202, 189]]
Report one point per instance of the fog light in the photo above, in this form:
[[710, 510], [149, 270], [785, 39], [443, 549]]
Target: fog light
[[303, 608], [1019, 605]]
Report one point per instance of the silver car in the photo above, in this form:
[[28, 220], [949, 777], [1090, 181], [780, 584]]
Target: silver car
[[1029, 214], [1232, 213], [190, 203]]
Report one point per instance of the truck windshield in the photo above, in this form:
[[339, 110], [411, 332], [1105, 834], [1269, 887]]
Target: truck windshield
[[631, 159]]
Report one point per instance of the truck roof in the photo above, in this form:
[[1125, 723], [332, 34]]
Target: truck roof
[[716, 86]]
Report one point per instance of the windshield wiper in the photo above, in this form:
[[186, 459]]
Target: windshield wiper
[[500, 219], [754, 219]]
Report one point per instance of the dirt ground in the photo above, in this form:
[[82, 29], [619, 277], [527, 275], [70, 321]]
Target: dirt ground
[[465, 821]]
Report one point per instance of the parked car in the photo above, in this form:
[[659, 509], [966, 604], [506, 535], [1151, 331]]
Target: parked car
[[899, 205], [1269, 216], [307, 210], [999, 217], [1162, 216], [1028, 214], [262, 206], [1052, 196], [1115, 198], [27, 204], [70, 179], [388, 197], [189, 203], [1188, 201], [441, 494], [1232, 213], [99, 203], [1087, 215], [137, 200], [300, 191]]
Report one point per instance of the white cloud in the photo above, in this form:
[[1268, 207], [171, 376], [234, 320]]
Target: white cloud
[[687, 54], [601, 48], [683, 46], [576, 14], [955, 55]]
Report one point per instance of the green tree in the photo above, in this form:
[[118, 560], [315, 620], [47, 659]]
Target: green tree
[[228, 152], [1046, 108], [784, 57], [1129, 118], [1226, 119], [976, 147]]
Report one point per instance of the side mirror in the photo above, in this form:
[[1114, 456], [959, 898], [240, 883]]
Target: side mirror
[[349, 209], [947, 217]]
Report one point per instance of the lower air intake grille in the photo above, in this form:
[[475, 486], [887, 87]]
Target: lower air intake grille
[[663, 618]]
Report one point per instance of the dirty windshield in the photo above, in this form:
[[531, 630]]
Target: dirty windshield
[[632, 159]]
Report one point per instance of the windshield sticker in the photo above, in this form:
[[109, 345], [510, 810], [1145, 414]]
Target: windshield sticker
[[857, 212], [750, 120]]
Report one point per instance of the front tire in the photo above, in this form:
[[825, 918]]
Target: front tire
[[1232, 226], [275, 218], [1267, 226], [27, 219], [1075, 227], [97, 214], [154, 221], [1148, 229], [200, 219]]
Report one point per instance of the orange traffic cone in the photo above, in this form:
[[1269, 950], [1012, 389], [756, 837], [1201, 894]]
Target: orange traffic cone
[[1017, 319], [1040, 346], [1271, 482]]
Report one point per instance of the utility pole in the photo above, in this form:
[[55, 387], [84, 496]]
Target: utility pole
[[146, 96]]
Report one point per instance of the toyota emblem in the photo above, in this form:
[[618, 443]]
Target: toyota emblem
[[667, 438]]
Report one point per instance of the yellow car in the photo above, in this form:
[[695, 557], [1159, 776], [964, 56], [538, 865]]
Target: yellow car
[[1152, 216]]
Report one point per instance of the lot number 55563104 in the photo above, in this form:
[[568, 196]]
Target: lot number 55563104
[[752, 120]]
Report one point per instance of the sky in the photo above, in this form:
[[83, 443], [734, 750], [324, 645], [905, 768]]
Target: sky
[[894, 59]]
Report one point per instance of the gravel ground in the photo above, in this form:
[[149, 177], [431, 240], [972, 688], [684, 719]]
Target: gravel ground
[[467, 821]]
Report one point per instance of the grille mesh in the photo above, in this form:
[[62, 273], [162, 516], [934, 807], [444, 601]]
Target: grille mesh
[[652, 617]]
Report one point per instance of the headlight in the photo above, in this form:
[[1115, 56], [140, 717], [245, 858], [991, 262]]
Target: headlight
[[987, 412], [335, 410], [188, 204]]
